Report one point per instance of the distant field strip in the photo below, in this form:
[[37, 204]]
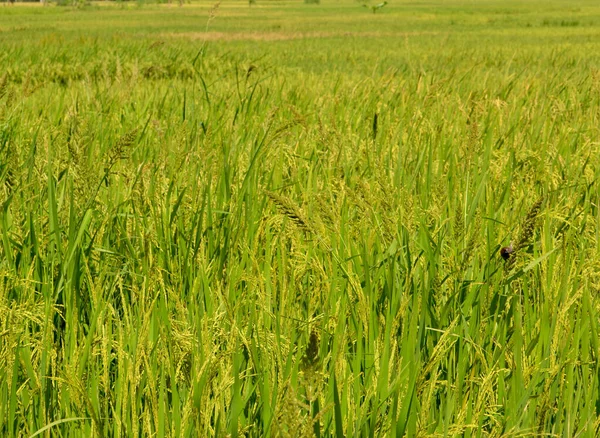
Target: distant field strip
[[284, 36]]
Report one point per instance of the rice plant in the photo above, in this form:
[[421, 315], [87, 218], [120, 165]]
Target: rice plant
[[262, 227]]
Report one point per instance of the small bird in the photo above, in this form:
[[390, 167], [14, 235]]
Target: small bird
[[507, 251], [376, 7]]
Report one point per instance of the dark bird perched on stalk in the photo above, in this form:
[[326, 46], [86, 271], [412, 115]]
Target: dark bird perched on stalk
[[507, 251]]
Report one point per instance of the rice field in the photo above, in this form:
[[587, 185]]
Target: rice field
[[286, 219]]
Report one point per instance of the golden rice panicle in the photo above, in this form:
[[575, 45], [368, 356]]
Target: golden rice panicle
[[287, 207], [528, 225]]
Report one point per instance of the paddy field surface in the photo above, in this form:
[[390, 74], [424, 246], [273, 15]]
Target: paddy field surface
[[286, 219]]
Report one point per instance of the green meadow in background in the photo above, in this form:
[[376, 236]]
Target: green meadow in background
[[285, 219]]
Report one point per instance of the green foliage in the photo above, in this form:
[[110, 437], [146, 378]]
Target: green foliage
[[263, 228]]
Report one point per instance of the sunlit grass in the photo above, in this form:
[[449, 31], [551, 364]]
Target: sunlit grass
[[300, 234]]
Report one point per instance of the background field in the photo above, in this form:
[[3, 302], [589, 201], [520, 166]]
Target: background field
[[286, 219]]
